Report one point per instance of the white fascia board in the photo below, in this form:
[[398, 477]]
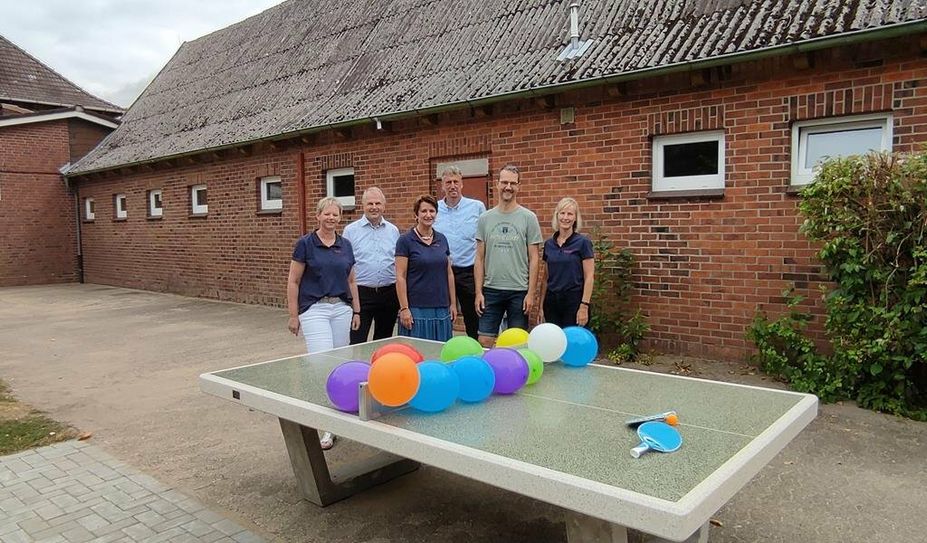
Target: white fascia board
[[28, 119]]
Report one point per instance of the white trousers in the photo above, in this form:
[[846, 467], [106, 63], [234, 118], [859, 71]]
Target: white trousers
[[326, 326]]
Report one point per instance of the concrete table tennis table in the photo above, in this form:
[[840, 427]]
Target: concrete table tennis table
[[561, 440]]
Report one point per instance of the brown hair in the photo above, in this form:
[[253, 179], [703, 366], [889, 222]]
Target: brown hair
[[424, 199]]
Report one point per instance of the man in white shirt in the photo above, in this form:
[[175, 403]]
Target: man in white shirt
[[374, 241]]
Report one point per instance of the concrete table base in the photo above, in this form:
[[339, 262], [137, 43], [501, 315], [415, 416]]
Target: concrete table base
[[585, 529]]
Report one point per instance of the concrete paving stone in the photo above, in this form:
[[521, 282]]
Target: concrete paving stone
[[65, 501], [115, 526], [18, 536], [109, 511], [138, 505], [112, 537], [32, 458], [150, 518], [11, 521], [81, 458], [49, 511], [90, 480], [149, 483], [167, 536], [118, 497], [227, 527], [66, 465], [184, 538], [163, 506], [190, 506], [76, 489], [9, 505], [171, 523], [16, 465], [69, 517], [128, 486], [54, 473], [213, 536], [139, 532], [92, 522], [78, 534], [247, 537], [54, 539], [207, 516], [56, 530], [34, 524], [41, 483], [6, 475], [197, 527]]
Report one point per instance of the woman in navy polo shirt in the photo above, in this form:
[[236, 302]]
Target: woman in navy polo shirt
[[424, 280], [569, 260]]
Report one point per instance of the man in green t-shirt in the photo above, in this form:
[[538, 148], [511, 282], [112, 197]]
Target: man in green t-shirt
[[508, 238]]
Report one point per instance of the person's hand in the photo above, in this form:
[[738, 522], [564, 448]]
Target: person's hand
[[405, 319], [582, 315], [453, 313], [540, 315], [528, 304], [478, 303], [355, 322], [293, 325]]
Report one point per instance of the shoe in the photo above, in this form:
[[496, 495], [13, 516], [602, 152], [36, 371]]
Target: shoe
[[327, 441]]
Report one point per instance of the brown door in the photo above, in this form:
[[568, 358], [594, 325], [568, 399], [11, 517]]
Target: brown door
[[477, 188]]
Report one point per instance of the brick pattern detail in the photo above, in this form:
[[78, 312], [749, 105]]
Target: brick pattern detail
[[704, 265]]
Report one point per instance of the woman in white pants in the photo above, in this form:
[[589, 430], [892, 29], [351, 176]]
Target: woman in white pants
[[321, 291]]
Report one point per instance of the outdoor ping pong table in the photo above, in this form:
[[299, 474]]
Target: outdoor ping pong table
[[562, 440]]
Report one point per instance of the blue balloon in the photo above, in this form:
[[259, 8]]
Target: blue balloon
[[476, 378], [438, 387], [582, 347]]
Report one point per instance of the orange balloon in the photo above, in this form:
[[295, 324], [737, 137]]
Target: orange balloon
[[397, 348], [393, 380]]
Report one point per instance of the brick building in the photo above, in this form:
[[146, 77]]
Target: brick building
[[684, 129], [46, 123]]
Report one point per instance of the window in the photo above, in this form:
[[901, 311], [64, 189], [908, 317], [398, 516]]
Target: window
[[198, 200], [271, 193], [820, 139], [119, 206], [340, 184], [688, 161], [89, 209], [155, 207]]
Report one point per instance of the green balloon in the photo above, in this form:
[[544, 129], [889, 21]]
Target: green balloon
[[459, 347], [535, 365]]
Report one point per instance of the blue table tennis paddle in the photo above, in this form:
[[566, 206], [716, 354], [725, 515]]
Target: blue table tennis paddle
[[656, 436]]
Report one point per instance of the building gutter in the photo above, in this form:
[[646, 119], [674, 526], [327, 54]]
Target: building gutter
[[40, 102], [825, 42]]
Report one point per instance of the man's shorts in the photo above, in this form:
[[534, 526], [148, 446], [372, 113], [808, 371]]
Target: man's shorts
[[502, 303]]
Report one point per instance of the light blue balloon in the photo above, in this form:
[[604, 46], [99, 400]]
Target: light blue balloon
[[438, 387], [582, 346], [476, 378]]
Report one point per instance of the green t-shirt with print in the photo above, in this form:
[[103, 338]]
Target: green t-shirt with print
[[506, 237]]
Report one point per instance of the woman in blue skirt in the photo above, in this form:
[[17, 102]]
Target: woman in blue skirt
[[424, 280]]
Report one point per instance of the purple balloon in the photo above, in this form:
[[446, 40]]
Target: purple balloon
[[510, 368], [343, 382]]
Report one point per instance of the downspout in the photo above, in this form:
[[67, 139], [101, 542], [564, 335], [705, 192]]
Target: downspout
[[301, 190], [80, 247]]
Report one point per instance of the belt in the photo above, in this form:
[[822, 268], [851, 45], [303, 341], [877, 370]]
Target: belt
[[470, 267], [377, 289], [330, 300]]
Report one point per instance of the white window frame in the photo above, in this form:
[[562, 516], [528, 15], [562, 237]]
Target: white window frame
[[800, 130], [152, 210], [688, 182], [346, 201], [124, 212], [271, 204], [89, 209], [195, 207]]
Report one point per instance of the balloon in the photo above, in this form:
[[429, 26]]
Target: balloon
[[510, 368], [535, 365], [460, 346], [342, 383], [582, 347], [393, 379], [438, 389], [397, 348], [548, 341], [512, 337], [476, 378]]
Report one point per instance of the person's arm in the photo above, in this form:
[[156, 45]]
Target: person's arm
[[292, 295], [355, 300], [405, 314], [532, 276], [582, 314], [478, 277], [542, 272], [452, 290]]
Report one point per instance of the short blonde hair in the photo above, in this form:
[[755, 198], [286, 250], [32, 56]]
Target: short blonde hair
[[328, 201], [562, 204]]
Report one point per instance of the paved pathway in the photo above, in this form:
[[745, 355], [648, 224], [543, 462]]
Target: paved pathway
[[74, 492]]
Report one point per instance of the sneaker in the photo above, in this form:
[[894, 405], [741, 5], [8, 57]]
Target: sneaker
[[327, 441]]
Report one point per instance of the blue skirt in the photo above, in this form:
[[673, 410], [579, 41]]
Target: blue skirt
[[429, 323]]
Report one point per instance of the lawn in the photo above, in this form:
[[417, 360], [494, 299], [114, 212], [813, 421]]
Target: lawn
[[22, 427]]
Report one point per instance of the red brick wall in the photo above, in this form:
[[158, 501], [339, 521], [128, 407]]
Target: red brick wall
[[37, 226], [84, 136], [704, 265]]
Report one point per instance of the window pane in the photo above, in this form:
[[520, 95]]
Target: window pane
[[700, 158], [274, 191], [91, 207], [201, 197], [841, 143], [157, 200], [121, 204], [343, 185]]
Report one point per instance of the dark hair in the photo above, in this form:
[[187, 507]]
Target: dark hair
[[424, 199]]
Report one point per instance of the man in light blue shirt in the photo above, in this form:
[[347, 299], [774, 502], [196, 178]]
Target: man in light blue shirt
[[374, 241], [457, 218]]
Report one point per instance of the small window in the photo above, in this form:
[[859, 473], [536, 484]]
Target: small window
[[89, 209], [198, 200], [271, 193], [155, 207], [688, 161], [815, 141], [340, 184], [119, 206]]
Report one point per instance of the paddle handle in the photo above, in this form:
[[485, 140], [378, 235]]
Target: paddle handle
[[636, 452]]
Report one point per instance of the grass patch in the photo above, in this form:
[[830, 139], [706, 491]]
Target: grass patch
[[22, 427]]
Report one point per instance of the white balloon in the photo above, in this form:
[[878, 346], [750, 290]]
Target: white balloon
[[548, 341]]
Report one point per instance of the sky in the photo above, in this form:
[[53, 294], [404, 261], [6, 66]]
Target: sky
[[114, 48]]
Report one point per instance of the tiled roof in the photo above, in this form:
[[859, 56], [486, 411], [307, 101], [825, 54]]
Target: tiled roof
[[312, 63], [24, 79]]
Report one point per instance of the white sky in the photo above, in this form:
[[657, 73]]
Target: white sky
[[114, 48]]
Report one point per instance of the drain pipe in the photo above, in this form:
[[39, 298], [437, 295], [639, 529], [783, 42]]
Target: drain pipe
[[301, 189], [574, 24]]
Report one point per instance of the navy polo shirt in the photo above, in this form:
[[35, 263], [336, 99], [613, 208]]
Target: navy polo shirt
[[426, 274], [565, 263], [327, 269]]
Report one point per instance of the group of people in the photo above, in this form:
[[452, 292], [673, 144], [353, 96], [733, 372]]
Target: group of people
[[457, 254]]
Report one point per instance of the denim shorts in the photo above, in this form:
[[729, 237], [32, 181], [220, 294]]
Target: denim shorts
[[502, 303]]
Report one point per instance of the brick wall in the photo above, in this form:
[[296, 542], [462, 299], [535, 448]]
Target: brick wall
[[37, 221], [705, 264]]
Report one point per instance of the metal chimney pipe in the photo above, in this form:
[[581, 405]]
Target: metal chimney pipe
[[574, 23]]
